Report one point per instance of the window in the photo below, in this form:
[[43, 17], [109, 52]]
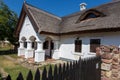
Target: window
[[78, 45], [94, 43], [90, 15]]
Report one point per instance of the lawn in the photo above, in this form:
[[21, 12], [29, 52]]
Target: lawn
[[13, 68], [13, 55]]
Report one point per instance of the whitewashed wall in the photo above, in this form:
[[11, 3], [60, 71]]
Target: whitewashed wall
[[66, 47], [67, 43], [27, 30]]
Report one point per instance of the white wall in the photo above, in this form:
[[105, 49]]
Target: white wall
[[27, 30], [67, 43], [66, 48]]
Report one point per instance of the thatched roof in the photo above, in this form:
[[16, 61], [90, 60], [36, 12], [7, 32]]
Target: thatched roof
[[44, 22], [110, 20]]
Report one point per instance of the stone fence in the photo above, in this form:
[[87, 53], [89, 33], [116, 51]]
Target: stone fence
[[110, 67]]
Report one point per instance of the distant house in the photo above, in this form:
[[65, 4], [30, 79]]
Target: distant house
[[43, 35]]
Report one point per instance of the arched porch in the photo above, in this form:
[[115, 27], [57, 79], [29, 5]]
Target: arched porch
[[39, 50]]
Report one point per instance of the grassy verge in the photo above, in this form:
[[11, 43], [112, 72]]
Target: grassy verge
[[13, 68], [14, 56]]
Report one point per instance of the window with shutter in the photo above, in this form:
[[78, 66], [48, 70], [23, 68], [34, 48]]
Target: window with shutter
[[94, 43], [78, 45]]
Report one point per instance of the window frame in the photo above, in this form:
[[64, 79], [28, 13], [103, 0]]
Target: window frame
[[94, 43], [78, 45]]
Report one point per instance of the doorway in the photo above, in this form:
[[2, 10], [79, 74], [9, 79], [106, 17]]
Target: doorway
[[48, 46]]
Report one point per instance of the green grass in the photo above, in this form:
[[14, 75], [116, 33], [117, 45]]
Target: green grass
[[47, 67], [13, 68], [14, 56]]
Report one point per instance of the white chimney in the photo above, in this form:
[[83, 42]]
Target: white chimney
[[82, 6]]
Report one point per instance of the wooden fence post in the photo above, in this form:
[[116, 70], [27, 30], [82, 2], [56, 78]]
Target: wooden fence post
[[44, 74], [50, 76], [20, 76], [37, 75], [55, 77], [8, 77], [29, 76], [60, 72]]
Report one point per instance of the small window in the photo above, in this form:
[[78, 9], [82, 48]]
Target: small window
[[90, 15], [78, 45], [94, 43]]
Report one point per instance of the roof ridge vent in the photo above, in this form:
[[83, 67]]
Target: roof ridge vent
[[83, 6]]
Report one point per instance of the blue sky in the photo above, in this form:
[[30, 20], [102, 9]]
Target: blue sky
[[57, 7]]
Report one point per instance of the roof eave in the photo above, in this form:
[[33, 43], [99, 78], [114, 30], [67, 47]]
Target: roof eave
[[82, 32]]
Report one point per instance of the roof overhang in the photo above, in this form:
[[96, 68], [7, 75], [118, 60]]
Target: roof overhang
[[82, 32]]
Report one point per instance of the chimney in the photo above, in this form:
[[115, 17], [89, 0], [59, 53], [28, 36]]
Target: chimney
[[82, 6]]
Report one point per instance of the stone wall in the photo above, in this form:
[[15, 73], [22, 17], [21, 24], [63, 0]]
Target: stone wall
[[110, 67]]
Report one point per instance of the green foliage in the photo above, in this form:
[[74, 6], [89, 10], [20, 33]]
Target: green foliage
[[8, 20]]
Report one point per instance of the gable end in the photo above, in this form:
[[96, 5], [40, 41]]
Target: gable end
[[24, 12]]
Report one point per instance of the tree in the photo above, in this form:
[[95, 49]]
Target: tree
[[8, 21]]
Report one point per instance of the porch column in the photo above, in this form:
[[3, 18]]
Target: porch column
[[21, 44], [56, 54], [39, 53], [21, 49], [29, 51], [29, 45]]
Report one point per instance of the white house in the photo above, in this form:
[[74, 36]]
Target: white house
[[43, 35]]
